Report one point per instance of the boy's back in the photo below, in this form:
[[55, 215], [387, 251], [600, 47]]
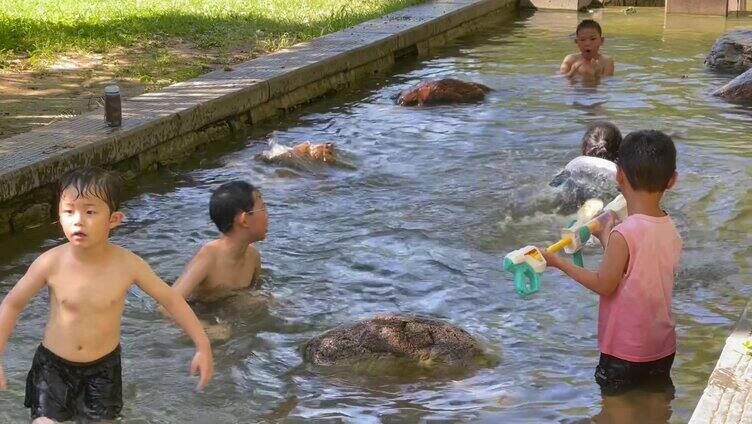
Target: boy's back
[[226, 271], [635, 279], [635, 322]]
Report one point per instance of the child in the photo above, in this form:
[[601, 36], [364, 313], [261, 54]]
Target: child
[[592, 174], [589, 63], [76, 371], [636, 334], [231, 262]]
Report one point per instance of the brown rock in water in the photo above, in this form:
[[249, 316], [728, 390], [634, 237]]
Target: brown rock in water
[[397, 336], [738, 89], [443, 91], [731, 53]]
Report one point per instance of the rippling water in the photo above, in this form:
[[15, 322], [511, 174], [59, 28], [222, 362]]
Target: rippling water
[[437, 197]]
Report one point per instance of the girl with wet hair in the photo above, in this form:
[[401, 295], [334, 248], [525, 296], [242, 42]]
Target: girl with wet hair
[[602, 140]]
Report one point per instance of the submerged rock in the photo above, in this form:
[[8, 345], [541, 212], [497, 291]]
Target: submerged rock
[[732, 52], [738, 89], [441, 92], [395, 336]]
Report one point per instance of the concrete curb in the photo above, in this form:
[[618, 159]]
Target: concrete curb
[[728, 396], [166, 126]]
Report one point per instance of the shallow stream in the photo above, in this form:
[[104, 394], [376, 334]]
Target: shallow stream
[[437, 197]]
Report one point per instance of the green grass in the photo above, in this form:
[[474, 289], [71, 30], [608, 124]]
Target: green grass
[[38, 31]]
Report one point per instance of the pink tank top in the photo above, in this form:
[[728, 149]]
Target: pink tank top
[[635, 322]]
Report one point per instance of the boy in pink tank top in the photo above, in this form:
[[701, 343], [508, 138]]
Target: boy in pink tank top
[[636, 334]]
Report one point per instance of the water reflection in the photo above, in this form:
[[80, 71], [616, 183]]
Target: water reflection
[[636, 406]]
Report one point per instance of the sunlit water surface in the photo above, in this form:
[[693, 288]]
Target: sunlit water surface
[[420, 226]]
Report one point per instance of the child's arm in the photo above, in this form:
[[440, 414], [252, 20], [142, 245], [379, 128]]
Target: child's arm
[[177, 307], [608, 277], [566, 65], [19, 296], [608, 67], [194, 273]]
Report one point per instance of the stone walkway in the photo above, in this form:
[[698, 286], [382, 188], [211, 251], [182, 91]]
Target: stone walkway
[[728, 396]]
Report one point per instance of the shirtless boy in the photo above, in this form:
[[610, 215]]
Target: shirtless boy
[[231, 262], [588, 63], [76, 371]]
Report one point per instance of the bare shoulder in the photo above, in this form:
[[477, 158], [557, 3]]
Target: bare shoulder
[[568, 63], [49, 259], [209, 251], [571, 58], [128, 260], [211, 247]]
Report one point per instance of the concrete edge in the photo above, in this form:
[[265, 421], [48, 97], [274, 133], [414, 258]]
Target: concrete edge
[[165, 126], [728, 395]]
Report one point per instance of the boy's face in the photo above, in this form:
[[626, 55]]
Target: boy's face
[[258, 221], [86, 220], [589, 42]]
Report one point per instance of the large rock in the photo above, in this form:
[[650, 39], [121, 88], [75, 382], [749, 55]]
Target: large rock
[[585, 177], [400, 336], [732, 52], [442, 92], [738, 89]]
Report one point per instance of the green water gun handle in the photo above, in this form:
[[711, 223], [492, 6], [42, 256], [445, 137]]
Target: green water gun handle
[[526, 279], [577, 259]]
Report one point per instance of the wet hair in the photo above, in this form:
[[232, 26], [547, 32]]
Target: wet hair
[[648, 160], [588, 23], [602, 140], [94, 181], [228, 200]]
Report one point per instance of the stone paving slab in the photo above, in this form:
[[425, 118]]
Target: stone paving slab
[[728, 396]]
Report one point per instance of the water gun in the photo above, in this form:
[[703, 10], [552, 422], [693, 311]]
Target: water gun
[[527, 264]]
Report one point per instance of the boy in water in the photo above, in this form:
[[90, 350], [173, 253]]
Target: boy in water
[[636, 335], [588, 63], [76, 371], [231, 262]]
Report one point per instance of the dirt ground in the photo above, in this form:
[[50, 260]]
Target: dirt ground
[[75, 83]]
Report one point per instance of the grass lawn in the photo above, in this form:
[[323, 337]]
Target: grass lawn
[[173, 39], [56, 56]]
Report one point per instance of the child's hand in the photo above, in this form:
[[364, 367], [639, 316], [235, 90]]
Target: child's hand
[[3, 383], [575, 67], [204, 364], [606, 225], [552, 259]]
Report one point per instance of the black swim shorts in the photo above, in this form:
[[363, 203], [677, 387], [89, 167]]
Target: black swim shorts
[[616, 376], [65, 390]]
